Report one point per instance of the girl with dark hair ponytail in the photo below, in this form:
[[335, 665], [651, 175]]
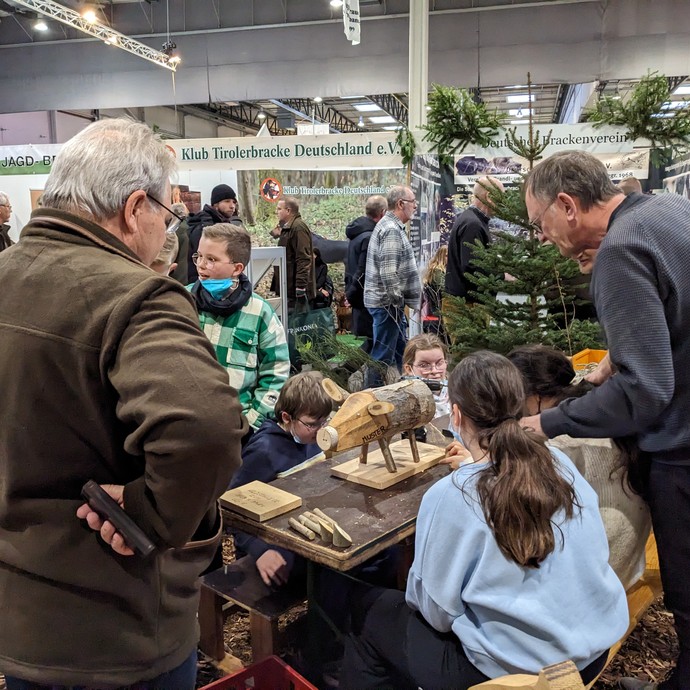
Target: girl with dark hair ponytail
[[510, 571], [615, 469]]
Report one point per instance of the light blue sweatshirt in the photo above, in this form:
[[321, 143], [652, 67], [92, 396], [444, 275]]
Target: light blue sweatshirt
[[511, 619]]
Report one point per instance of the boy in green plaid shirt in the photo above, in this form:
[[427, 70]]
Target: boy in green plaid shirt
[[247, 335]]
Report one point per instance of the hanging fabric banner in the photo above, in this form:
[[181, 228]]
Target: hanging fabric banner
[[351, 21]]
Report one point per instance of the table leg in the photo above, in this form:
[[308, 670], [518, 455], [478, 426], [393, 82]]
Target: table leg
[[211, 624]]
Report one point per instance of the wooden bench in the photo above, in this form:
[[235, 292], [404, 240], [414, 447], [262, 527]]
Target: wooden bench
[[240, 583], [640, 597]]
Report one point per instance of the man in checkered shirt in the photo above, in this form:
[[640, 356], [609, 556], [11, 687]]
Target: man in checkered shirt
[[392, 280]]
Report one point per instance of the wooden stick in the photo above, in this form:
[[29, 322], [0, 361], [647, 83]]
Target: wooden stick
[[319, 513], [325, 526], [313, 525], [364, 453], [387, 455], [304, 531], [413, 445]]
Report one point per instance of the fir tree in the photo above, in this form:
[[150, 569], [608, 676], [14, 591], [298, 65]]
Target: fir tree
[[541, 299]]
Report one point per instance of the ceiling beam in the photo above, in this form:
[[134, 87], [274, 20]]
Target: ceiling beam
[[391, 104], [308, 109], [63, 14], [244, 116]]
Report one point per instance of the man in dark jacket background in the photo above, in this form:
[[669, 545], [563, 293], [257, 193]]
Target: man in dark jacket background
[[470, 225], [106, 376], [295, 236], [359, 233], [223, 209]]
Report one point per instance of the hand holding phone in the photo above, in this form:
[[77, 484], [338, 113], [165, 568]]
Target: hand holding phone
[[108, 509]]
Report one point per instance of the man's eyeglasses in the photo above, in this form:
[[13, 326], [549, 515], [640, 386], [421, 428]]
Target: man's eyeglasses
[[200, 260], [175, 221], [313, 426], [536, 223], [410, 201], [428, 367]]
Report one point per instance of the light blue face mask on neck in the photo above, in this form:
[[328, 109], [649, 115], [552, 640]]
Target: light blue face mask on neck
[[217, 287]]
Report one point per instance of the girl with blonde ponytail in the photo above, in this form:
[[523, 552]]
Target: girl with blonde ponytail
[[510, 571]]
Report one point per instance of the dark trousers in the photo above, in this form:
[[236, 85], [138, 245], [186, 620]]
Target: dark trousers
[[390, 338], [392, 646], [183, 677], [669, 501]]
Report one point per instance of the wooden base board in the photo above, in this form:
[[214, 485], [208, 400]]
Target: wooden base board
[[260, 501], [375, 475]]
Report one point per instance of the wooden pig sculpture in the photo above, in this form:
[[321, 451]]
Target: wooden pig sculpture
[[376, 414]]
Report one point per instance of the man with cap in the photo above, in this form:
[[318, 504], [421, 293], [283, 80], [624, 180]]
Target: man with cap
[[223, 209]]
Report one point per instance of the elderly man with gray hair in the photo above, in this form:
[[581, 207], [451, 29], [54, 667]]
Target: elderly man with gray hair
[[641, 289], [106, 376], [392, 281], [5, 213]]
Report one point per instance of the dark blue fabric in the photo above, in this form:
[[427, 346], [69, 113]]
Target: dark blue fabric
[[268, 452], [183, 677], [390, 338]]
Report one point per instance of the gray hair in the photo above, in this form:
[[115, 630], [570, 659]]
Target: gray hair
[[376, 206], [395, 194], [576, 173], [99, 168], [4, 199]]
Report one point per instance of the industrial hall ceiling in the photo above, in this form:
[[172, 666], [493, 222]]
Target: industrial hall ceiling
[[244, 63]]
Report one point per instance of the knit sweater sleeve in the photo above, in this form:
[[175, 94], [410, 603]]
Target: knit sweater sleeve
[[627, 289]]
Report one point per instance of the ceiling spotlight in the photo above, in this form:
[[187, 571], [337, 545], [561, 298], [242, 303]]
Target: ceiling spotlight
[[261, 115], [90, 15], [336, 3], [40, 25], [361, 122], [112, 40], [170, 49], [318, 99]]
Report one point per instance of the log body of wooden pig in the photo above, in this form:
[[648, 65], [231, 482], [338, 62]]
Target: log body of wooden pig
[[378, 413]]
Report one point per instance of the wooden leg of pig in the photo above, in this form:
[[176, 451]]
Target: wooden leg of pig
[[364, 453], [387, 455], [413, 445]]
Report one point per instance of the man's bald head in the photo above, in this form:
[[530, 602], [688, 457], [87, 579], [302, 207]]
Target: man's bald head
[[482, 192], [630, 185]]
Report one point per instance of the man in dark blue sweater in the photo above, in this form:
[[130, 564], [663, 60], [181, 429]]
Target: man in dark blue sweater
[[641, 288]]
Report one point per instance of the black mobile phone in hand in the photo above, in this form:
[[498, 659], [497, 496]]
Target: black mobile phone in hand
[[101, 503]]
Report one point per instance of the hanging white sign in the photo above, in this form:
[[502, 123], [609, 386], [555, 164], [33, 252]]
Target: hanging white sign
[[351, 21]]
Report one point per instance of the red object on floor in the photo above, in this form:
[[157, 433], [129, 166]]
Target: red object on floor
[[270, 674]]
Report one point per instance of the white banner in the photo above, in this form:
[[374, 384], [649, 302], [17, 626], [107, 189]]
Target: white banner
[[351, 20], [609, 144], [27, 160], [320, 152]]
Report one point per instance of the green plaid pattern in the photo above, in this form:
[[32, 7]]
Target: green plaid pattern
[[252, 347]]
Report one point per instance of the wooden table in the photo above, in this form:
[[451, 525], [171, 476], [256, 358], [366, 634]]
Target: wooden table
[[374, 519]]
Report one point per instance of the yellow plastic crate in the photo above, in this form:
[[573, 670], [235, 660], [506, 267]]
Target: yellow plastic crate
[[584, 358]]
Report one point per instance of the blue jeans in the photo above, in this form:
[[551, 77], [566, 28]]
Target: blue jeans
[[390, 338], [181, 678]]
